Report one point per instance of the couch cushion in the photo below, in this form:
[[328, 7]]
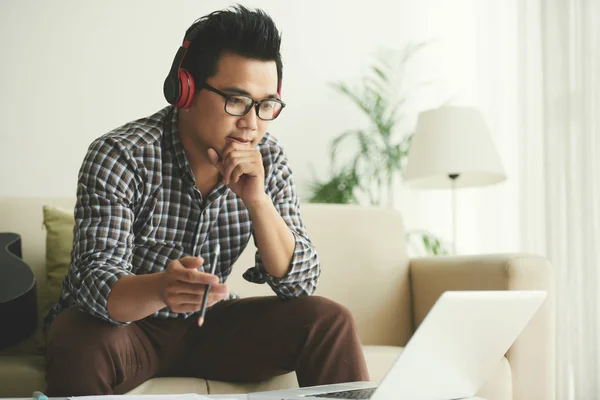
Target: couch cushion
[[287, 381], [171, 386], [352, 265], [20, 376], [202, 386], [380, 359]]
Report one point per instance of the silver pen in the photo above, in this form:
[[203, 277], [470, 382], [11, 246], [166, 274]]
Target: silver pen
[[213, 269]]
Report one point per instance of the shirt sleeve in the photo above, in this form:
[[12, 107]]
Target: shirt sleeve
[[103, 232], [305, 269]]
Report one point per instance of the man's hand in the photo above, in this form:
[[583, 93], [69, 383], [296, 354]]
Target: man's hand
[[183, 286], [242, 170]]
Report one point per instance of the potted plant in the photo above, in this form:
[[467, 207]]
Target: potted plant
[[366, 162]]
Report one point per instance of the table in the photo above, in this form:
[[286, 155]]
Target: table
[[211, 396]]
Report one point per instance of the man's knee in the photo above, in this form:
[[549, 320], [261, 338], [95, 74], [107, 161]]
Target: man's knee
[[321, 309], [79, 352], [76, 331]]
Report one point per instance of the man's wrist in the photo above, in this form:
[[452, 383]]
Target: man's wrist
[[161, 278], [256, 205]]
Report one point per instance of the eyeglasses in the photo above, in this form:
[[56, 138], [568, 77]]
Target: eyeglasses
[[239, 104]]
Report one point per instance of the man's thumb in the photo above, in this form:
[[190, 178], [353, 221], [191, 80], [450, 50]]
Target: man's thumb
[[191, 262], [213, 156]]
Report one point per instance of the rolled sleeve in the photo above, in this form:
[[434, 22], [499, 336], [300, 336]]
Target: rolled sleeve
[[103, 233], [305, 268]]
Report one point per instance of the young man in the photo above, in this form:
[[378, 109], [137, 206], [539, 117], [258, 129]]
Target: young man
[[156, 195]]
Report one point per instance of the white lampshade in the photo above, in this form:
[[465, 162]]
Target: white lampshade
[[452, 140]]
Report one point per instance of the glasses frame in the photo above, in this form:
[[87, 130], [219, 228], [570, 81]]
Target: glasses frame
[[254, 103]]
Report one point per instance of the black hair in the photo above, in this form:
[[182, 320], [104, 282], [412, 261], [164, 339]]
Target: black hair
[[245, 32]]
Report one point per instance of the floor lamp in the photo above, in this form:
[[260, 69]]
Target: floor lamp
[[452, 148]]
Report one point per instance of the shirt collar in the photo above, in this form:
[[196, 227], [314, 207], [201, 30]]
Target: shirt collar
[[173, 142]]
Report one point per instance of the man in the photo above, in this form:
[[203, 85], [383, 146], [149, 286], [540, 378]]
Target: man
[[156, 195]]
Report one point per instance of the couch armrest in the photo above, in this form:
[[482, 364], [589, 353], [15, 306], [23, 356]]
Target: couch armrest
[[532, 356]]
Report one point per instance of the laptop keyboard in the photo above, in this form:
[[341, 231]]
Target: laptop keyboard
[[349, 394]]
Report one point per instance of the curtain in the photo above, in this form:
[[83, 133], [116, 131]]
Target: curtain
[[559, 130]]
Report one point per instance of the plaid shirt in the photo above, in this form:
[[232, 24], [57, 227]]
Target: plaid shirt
[[138, 208]]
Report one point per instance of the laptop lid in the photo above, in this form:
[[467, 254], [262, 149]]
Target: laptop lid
[[459, 343]]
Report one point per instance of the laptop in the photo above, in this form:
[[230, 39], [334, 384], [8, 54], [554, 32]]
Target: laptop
[[450, 356]]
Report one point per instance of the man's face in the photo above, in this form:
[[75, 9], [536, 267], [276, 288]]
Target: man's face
[[211, 125]]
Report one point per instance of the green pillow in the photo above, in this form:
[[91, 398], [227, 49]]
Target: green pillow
[[59, 225]]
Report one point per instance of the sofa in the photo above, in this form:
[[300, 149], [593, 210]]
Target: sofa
[[365, 267]]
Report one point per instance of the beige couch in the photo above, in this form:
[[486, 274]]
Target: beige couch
[[366, 268]]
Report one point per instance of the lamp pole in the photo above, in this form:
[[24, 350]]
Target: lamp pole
[[453, 178]]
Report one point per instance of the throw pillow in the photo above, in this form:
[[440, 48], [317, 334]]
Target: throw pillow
[[59, 225]]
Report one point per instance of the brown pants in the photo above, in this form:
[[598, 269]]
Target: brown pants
[[246, 340]]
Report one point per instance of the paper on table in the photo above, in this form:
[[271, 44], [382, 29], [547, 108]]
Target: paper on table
[[186, 396]]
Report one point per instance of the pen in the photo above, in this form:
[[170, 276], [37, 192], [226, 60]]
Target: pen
[[39, 396], [213, 268]]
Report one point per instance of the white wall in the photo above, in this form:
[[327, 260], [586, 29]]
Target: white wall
[[72, 70]]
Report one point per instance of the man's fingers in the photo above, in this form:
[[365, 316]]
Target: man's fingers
[[219, 288], [231, 164], [186, 270], [232, 156], [234, 147], [227, 152], [186, 307], [214, 158], [235, 154], [196, 298], [242, 169], [191, 262], [189, 298], [178, 288], [197, 288], [194, 276], [181, 305]]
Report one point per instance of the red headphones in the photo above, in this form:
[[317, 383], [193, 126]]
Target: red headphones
[[179, 87]]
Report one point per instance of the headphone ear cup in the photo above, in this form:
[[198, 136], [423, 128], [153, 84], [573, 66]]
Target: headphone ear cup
[[186, 89], [171, 89]]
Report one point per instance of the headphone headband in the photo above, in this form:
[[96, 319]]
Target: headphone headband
[[179, 86]]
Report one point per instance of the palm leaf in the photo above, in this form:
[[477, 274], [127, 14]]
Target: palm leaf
[[363, 141], [377, 155], [356, 99], [339, 189]]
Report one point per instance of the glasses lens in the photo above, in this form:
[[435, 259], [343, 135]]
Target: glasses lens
[[238, 105], [269, 109]]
